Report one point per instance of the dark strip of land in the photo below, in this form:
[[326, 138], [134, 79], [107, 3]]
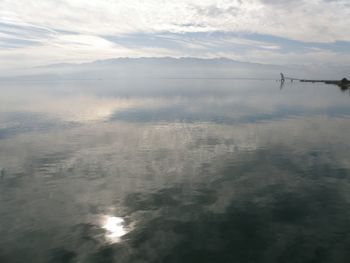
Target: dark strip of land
[[343, 82]]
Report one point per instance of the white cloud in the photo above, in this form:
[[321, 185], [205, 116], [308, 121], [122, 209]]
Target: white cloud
[[312, 20], [73, 30]]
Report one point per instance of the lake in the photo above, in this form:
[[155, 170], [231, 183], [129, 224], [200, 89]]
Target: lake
[[174, 170]]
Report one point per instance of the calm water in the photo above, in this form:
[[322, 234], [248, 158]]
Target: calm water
[[174, 170]]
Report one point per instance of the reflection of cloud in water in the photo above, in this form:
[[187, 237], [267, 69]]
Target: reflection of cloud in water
[[273, 191], [193, 188], [215, 101], [275, 210]]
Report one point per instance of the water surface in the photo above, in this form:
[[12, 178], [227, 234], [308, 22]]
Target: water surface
[[174, 170]]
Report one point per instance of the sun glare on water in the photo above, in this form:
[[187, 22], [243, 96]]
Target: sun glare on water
[[115, 228]]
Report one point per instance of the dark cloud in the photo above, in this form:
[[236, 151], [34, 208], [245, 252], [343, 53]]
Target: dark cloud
[[22, 35], [281, 2], [215, 11], [16, 43], [23, 29]]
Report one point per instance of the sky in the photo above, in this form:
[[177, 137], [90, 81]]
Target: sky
[[304, 32]]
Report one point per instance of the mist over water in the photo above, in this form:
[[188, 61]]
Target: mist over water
[[174, 170]]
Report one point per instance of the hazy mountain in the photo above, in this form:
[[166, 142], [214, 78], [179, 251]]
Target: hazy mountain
[[160, 68]]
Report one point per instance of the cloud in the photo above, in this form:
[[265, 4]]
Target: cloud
[[214, 10], [76, 30], [114, 17]]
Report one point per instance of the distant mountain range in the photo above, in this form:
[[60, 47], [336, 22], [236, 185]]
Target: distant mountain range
[[165, 67]]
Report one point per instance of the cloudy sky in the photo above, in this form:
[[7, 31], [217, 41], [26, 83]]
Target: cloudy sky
[[40, 32]]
